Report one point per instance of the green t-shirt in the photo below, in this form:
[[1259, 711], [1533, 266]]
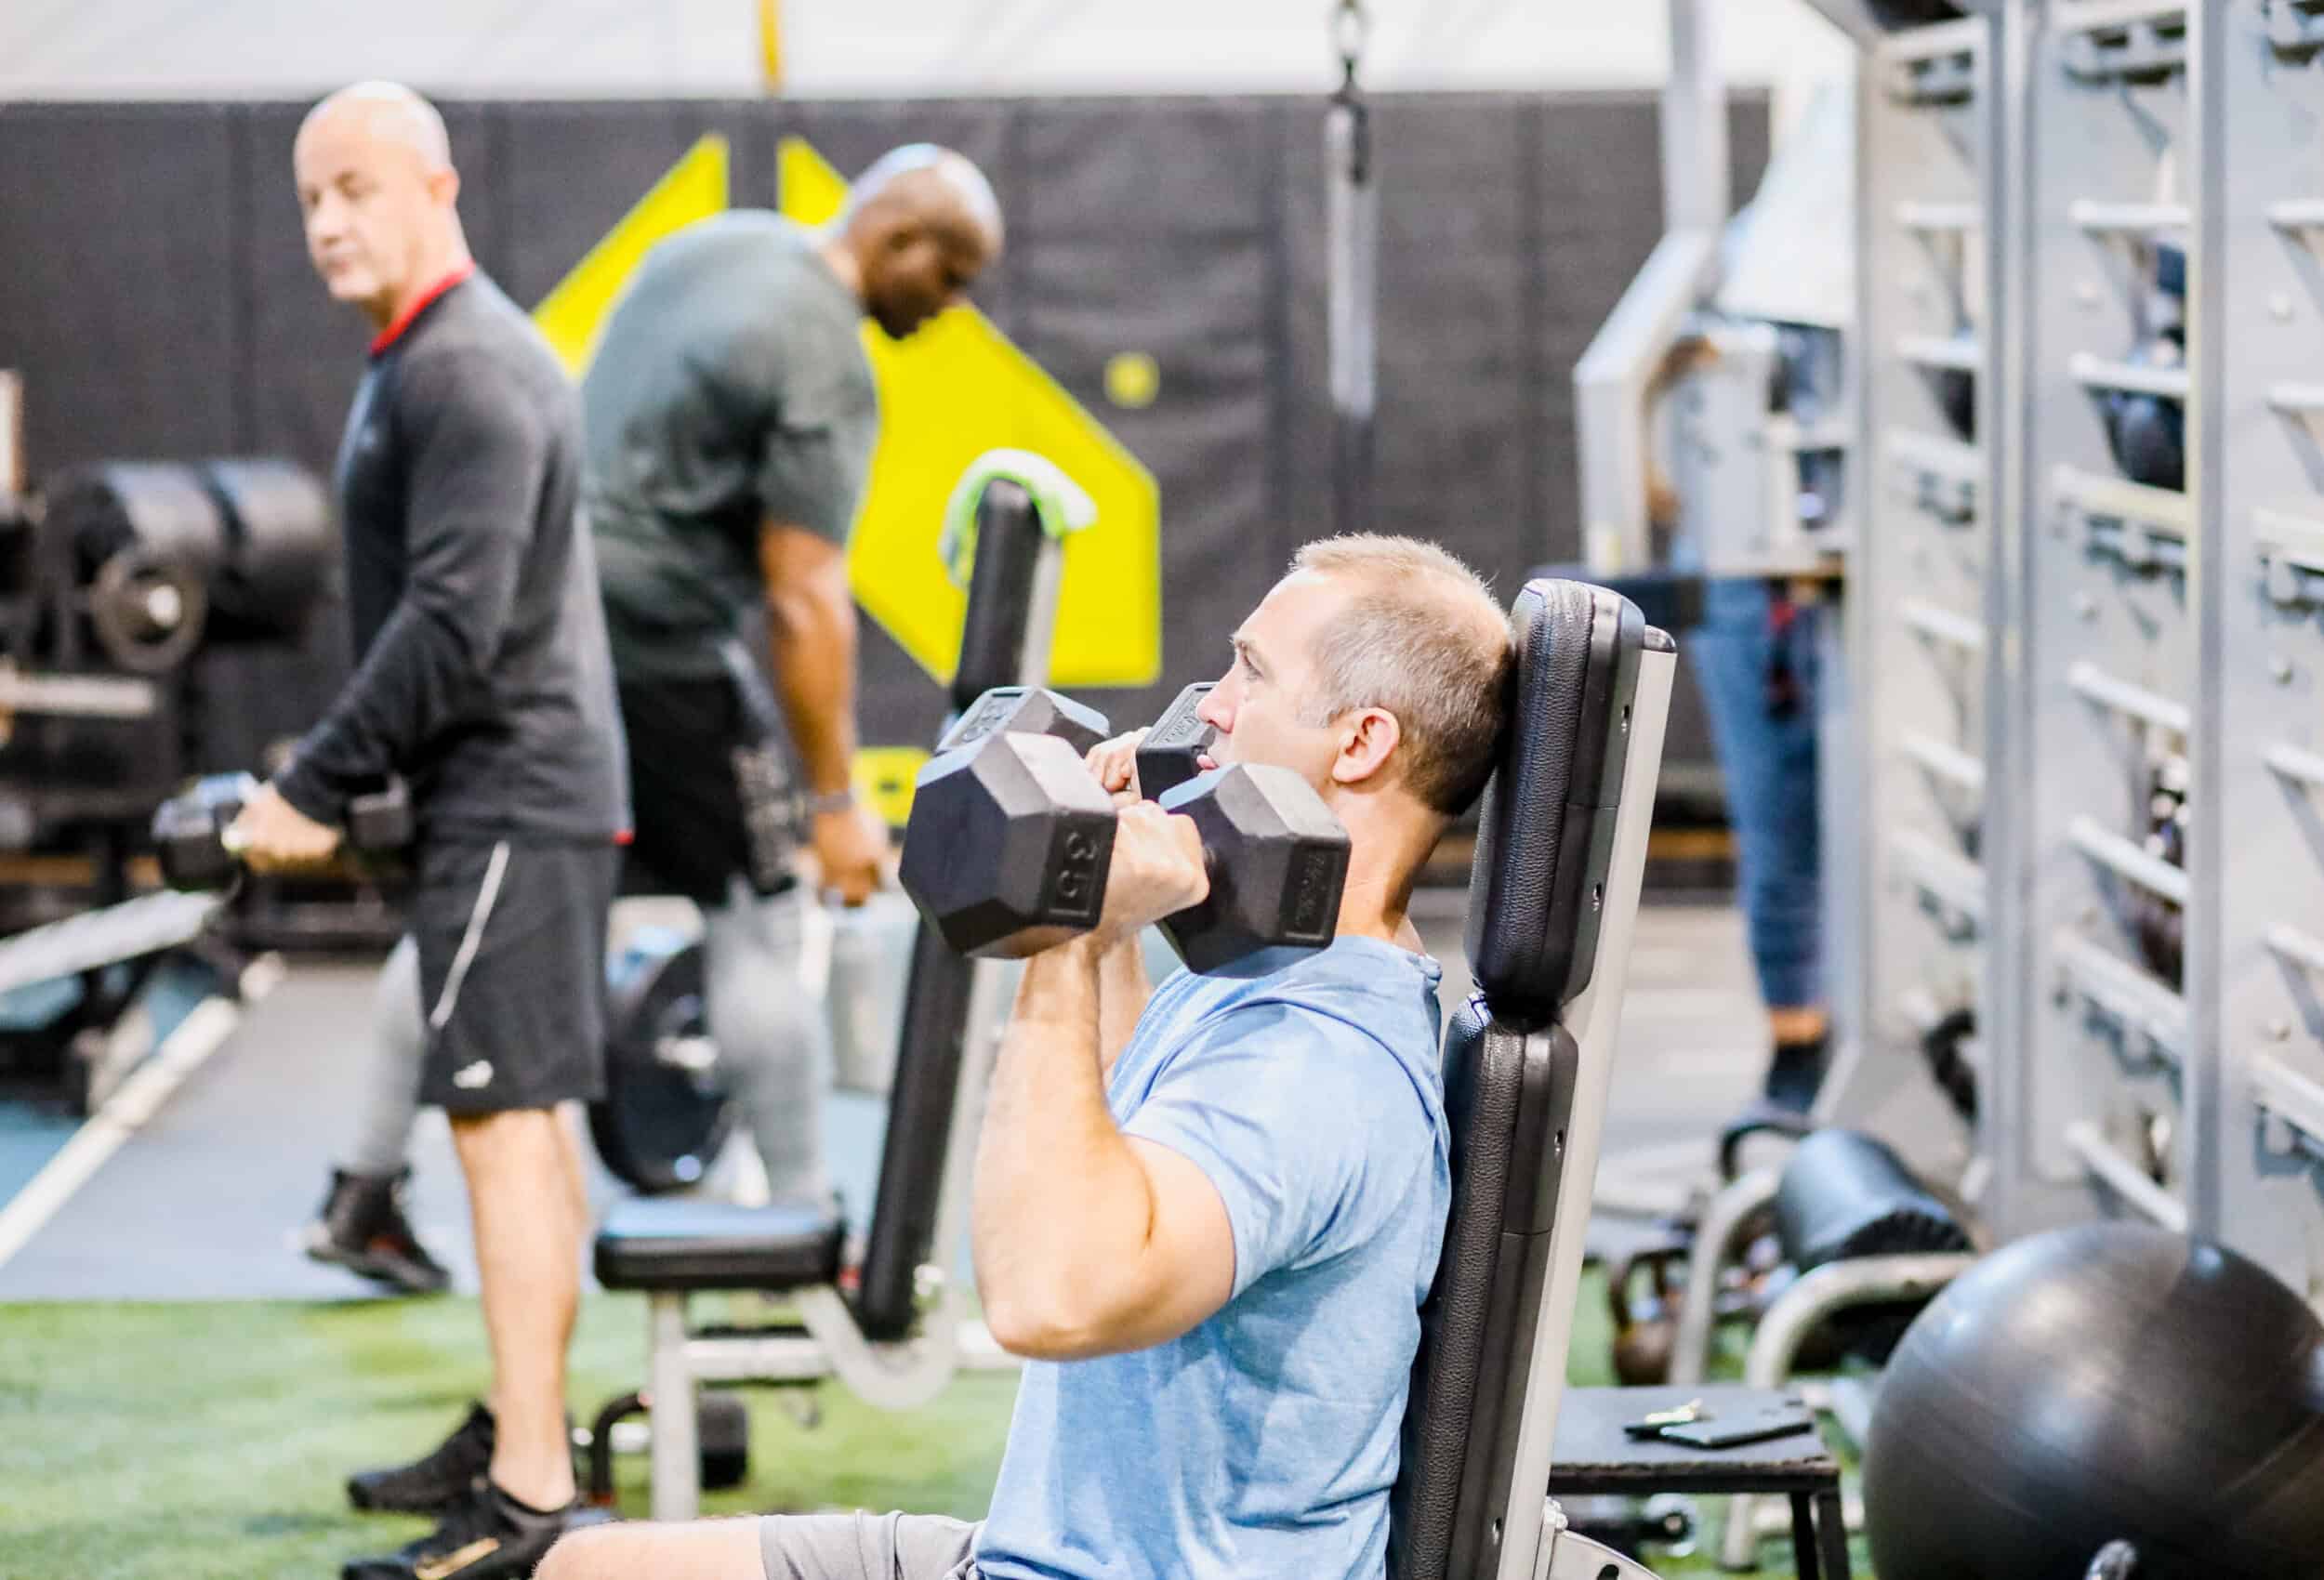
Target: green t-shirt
[[730, 389]]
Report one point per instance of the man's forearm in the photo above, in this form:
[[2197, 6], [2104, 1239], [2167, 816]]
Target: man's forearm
[[812, 638], [416, 676], [1122, 994], [1060, 1195]]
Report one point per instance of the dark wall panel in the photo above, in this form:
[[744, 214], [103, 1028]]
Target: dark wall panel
[[158, 296], [1454, 369], [571, 170], [1153, 233], [119, 296]]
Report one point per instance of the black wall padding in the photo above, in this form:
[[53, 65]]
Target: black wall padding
[[120, 299], [158, 299]]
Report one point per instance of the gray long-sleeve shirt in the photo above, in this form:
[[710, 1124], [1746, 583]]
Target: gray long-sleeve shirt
[[481, 670]]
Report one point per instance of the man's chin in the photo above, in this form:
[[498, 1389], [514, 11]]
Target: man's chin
[[352, 287]]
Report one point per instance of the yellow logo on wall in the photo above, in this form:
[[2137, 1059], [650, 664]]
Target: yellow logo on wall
[[952, 391]]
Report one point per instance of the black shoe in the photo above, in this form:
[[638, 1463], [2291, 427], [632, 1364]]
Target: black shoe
[[1795, 1074], [488, 1535], [433, 1484], [361, 1228]]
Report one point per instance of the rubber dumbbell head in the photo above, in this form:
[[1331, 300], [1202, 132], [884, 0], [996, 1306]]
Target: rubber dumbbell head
[[188, 831], [1172, 752], [1278, 861], [380, 821], [1007, 849], [1025, 710]]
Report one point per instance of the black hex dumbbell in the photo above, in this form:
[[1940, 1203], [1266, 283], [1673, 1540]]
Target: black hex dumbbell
[[189, 828], [1277, 859], [1006, 849], [1172, 750], [1011, 837]]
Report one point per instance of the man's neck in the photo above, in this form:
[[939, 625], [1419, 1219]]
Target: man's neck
[[841, 259], [1384, 859], [440, 262]]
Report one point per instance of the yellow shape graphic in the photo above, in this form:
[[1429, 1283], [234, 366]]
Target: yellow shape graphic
[[571, 314], [955, 391], [885, 776]]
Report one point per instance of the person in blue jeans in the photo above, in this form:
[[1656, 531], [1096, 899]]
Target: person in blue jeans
[[1755, 658], [1208, 1213]]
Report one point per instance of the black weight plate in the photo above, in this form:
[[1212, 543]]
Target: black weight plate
[[666, 1112]]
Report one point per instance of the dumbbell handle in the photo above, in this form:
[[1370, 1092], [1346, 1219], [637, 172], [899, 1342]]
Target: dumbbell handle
[[378, 820]]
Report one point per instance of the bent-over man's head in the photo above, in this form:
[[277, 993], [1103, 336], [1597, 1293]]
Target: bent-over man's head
[[920, 225]]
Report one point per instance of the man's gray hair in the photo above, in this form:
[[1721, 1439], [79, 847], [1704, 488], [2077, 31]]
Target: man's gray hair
[[1424, 639]]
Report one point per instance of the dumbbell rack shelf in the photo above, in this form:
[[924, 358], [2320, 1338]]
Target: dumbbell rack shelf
[[2136, 1003]]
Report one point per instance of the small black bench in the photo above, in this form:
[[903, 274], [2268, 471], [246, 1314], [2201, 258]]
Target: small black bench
[[1596, 1458]]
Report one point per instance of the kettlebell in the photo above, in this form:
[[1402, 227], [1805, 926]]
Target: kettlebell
[[2159, 925], [2147, 433], [1644, 1334]]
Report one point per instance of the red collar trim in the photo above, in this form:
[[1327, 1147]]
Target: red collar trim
[[418, 305]]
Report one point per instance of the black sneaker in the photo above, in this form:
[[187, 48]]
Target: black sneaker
[[435, 1483], [363, 1228], [488, 1535], [1795, 1074]]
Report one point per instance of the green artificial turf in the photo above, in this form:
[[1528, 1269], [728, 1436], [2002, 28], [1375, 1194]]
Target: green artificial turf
[[185, 1441]]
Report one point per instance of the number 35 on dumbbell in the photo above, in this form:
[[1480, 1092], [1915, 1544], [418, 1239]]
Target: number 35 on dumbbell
[[1010, 835]]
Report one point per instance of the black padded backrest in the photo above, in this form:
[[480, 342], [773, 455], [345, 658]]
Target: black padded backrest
[[1545, 841], [1545, 831], [1506, 1097]]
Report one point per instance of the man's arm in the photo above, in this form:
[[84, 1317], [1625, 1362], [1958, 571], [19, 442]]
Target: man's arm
[[478, 447], [1123, 990], [811, 636], [1087, 1242]]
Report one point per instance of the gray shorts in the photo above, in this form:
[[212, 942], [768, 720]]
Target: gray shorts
[[866, 1546], [511, 937]]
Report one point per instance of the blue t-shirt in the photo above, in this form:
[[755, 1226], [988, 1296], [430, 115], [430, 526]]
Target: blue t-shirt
[[1264, 1441]]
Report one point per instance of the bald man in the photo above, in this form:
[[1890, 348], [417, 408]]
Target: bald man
[[731, 417], [483, 680]]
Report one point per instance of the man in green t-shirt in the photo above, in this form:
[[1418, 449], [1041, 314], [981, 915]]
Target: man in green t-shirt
[[729, 415]]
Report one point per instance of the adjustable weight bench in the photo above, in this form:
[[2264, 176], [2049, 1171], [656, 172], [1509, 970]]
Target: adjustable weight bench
[[1553, 899]]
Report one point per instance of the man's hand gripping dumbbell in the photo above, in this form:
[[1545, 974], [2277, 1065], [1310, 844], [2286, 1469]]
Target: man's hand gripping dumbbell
[[1015, 841]]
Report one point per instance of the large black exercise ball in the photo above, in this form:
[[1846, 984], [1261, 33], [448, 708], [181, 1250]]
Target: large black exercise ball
[[2111, 1382]]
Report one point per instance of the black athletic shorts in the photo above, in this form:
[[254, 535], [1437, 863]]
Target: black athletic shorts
[[710, 796], [511, 937]]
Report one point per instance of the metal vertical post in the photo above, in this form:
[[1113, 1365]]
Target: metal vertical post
[[2005, 1094], [2204, 1085], [1696, 188], [1352, 230]]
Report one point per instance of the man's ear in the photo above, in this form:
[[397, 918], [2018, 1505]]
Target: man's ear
[[444, 185], [1368, 738]]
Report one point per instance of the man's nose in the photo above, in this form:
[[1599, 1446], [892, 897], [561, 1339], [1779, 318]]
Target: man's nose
[[1217, 707]]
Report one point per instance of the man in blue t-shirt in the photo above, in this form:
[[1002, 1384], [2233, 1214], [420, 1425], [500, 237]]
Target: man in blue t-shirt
[[1208, 1213]]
